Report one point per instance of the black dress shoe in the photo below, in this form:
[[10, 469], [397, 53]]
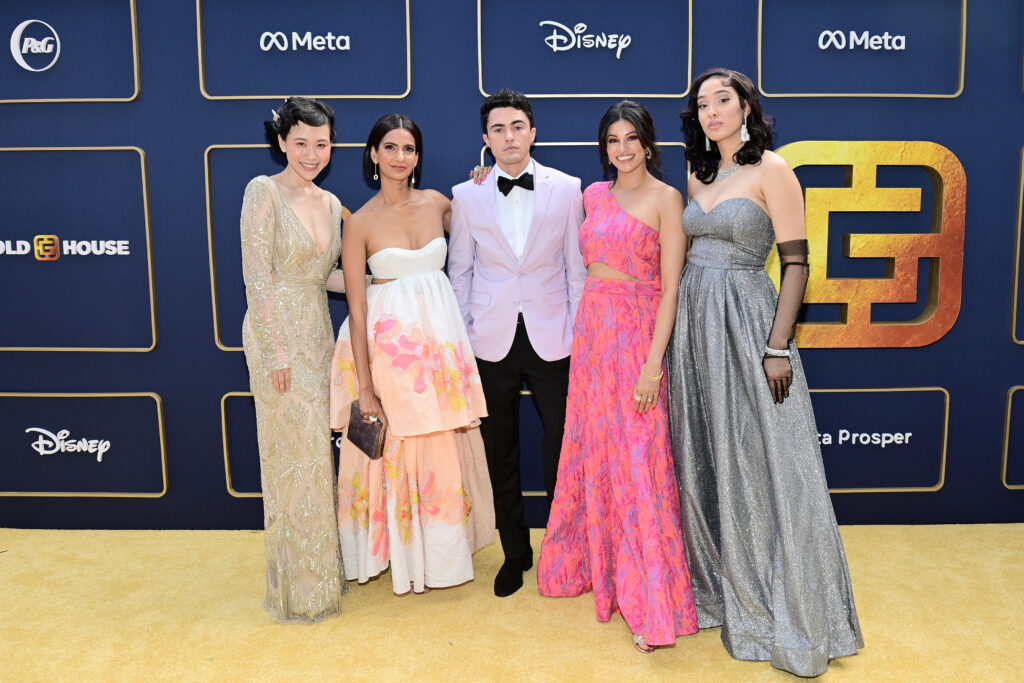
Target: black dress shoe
[[510, 576], [508, 580]]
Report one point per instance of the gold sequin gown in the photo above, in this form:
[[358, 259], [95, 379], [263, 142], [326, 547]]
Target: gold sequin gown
[[288, 325]]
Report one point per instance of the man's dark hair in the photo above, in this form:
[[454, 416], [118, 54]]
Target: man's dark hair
[[505, 98]]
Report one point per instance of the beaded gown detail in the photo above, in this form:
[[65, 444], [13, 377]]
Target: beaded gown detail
[[614, 526], [766, 558], [287, 324], [425, 506]]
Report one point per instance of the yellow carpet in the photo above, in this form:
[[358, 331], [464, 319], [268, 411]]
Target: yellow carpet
[[937, 603]]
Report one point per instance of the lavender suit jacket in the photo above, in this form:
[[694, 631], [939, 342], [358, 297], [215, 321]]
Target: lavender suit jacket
[[491, 284]]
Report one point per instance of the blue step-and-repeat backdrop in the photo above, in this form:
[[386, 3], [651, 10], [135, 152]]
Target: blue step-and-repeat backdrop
[[129, 128]]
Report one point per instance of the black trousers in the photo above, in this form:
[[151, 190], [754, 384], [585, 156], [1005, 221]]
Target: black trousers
[[502, 381]]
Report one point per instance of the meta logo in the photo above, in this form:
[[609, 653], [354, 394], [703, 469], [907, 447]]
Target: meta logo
[[51, 248], [866, 41], [48, 443], [35, 45], [278, 40], [563, 38]]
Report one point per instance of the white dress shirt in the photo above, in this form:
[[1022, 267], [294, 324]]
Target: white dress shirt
[[515, 211]]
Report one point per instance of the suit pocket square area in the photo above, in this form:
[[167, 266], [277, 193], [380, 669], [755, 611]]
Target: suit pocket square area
[[366, 436]]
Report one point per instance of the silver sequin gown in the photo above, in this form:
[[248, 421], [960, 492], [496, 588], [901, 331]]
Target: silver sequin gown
[[766, 560], [287, 324]]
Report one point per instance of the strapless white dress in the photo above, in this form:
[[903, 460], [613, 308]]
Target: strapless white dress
[[426, 505]]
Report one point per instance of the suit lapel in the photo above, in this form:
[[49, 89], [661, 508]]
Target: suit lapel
[[542, 191], [489, 207]]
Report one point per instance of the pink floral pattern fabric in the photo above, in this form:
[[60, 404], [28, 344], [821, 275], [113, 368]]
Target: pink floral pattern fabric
[[425, 506], [615, 524]]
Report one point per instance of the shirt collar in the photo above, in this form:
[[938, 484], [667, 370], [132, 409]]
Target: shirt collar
[[502, 174]]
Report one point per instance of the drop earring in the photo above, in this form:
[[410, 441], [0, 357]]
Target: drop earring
[[744, 133], [649, 155], [707, 144], [412, 180], [375, 176]]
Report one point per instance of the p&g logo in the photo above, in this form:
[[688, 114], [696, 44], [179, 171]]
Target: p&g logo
[[35, 45]]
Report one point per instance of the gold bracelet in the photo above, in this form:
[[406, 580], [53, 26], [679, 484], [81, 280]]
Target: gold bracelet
[[643, 373]]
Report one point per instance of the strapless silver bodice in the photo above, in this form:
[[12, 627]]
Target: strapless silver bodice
[[736, 234]]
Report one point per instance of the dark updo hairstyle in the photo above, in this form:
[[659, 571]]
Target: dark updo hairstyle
[[705, 163], [385, 125], [636, 115], [305, 109], [505, 98]]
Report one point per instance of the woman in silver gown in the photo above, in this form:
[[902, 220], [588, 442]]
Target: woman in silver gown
[[766, 560]]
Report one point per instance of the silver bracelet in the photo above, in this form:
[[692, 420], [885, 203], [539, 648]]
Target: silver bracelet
[[776, 353]]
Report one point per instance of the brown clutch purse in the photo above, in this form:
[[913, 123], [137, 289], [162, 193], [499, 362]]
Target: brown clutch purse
[[366, 436]]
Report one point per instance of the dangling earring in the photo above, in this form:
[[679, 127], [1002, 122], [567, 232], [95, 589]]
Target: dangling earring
[[375, 176], [412, 179], [744, 134], [649, 153], [707, 144]]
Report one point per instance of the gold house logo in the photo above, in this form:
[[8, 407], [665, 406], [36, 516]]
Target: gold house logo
[[46, 247], [942, 246]]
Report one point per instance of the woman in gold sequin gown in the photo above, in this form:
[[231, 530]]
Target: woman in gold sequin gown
[[290, 244]]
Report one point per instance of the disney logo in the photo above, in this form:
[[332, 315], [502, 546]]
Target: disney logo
[[49, 443], [563, 38]]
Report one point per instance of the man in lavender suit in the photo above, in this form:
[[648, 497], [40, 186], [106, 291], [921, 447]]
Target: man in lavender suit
[[515, 264]]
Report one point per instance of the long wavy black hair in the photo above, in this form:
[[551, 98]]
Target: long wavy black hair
[[705, 163]]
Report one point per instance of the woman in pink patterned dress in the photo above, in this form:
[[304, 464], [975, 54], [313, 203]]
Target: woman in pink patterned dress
[[425, 506], [615, 526]]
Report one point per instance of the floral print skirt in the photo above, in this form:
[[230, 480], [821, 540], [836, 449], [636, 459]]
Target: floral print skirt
[[425, 506], [615, 527]]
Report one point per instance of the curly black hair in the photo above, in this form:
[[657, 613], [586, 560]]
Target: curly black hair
[[505, 98], [705, 163]]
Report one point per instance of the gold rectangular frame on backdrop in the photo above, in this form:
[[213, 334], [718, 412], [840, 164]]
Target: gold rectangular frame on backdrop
[[945, 441], [149, 250], [1017, 253], [209, 228], [959, 91], [1006, 439], [224, 444], [96, 494], [207, 95], [689, 66], [135, 58]]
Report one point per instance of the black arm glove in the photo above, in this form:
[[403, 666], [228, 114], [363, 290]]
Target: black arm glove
[[793, 284]]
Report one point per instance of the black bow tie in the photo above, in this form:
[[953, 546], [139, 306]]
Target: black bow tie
[[506, 184]]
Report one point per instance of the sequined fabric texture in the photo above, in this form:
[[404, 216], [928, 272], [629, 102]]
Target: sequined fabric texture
[[288, 325], [766, 560]]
